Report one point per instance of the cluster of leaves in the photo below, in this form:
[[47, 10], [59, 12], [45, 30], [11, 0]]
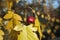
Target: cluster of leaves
[[26, 32]]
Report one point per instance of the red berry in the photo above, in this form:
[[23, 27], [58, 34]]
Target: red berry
[[30, 19]]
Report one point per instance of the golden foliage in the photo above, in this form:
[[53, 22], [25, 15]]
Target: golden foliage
[[1, 33], [27, 34], [9, 25], [16, 22], [8, 15], [18, 28], [12, 15], [17, 17], [1, 38], [37, 24]]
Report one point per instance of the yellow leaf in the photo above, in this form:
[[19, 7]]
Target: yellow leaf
[[1, 33], [18, 28], [27, 34], [31, 34], [33, 28], [18, 25], [37, 24], [16, 22], [8, 15], [9, 25], [23, 35], [1, 38], [17, 17]]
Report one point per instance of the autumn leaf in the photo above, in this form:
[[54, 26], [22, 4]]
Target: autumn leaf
[[17, 17], [18, 28], [8, 15], [32, 28], [1, 38], [18, 25], [31, 34], [16, 22], [9, 25], [37, 24], [1, 33], [27, 34]]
